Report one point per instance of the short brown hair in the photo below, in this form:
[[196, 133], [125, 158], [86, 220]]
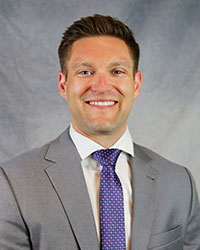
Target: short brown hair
[[96, 25]]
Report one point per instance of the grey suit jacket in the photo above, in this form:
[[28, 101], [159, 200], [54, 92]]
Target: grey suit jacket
[[44, 203]]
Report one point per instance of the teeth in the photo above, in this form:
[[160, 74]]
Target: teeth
[[108, 103]]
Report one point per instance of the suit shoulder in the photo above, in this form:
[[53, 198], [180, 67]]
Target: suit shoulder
[[32, 160], [173, 178], [163, 165], [25, 159]]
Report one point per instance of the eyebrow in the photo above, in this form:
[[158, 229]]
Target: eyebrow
[[120, 63], [80, 64]]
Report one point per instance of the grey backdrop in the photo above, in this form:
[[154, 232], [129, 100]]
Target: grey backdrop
[[166, 116]]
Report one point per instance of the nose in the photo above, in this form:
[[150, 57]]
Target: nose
[[101, 83]]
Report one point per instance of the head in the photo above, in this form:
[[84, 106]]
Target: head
[[97, 25], [99, 76]]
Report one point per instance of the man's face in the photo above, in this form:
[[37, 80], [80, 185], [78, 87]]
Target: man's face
[[100, 85]]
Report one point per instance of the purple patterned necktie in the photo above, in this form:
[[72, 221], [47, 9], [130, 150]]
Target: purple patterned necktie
[[111, 202]]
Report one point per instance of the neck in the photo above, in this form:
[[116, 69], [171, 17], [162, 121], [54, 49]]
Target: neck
[[106, 140]]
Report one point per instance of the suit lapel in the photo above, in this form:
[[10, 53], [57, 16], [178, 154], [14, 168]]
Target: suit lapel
[[66, 176], [144, 179]]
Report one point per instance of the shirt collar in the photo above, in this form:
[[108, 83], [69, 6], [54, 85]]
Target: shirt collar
[[124, 143]]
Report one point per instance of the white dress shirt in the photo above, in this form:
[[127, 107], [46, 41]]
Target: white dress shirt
[[92, 172]]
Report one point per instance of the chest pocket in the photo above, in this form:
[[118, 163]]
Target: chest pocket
[[170, 240]]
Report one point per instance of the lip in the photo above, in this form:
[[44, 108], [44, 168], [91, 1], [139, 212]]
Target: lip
[[101, 103]]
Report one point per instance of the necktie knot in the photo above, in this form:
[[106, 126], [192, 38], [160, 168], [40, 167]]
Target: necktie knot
[[106, 157]]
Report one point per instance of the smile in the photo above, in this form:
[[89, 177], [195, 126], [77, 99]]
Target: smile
[[101, 103]]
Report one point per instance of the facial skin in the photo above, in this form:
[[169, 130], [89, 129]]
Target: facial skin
[[100, 87]]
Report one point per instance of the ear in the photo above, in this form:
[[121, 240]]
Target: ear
[[62, 84], [137, 83]]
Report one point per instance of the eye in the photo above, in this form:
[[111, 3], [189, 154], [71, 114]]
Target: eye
[[85, 72], [118, 72]]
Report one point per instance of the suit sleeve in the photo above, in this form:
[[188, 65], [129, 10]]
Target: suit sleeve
[[13, 232], [192, 234]]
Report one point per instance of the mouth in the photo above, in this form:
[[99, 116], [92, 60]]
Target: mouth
[[105, 103]]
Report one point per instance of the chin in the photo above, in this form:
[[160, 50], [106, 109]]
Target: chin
[[102, 127]]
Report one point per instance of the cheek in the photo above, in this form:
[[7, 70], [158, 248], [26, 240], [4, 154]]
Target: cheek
[[77, 88], [126, 88]]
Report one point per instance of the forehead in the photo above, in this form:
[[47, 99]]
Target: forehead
[[100, 48]]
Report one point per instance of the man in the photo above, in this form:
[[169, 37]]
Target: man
[[59, 196]]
